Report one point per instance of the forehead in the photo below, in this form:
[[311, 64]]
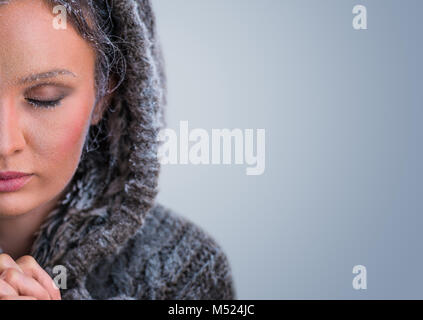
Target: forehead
[[30, 40]]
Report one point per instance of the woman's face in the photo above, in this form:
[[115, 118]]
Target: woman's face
[[42, 139]]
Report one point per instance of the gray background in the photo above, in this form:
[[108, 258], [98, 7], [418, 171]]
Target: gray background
[[342, 112]]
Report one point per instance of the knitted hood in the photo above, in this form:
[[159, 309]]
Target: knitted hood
[[115, 184]]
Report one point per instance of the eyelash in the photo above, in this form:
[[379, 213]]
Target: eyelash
[[50, 104]]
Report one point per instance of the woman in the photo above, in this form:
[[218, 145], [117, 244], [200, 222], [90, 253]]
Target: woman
[[82, 90]]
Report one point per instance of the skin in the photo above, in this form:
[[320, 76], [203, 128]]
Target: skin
[[46, 142]]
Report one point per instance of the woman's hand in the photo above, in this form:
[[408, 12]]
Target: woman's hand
[[24, 279]]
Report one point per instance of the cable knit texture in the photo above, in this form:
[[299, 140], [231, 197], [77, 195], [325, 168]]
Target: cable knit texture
[[114, 239]]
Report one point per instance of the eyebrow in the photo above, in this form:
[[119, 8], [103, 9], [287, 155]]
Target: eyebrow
[[45, 75]]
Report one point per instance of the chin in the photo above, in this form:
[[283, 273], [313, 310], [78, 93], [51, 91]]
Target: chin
[[14, 204]]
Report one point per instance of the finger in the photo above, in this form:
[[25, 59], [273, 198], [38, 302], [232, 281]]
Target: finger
[[24, 284], [6, 289], [30, 267], [7, 261], [17, 298]]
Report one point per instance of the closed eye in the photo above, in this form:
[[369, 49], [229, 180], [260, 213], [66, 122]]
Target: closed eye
[[44, 103]]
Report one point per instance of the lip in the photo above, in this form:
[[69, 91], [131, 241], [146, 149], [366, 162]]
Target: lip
[[13, 181]]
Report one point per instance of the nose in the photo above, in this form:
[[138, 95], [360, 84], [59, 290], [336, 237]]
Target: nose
[[11, 136]]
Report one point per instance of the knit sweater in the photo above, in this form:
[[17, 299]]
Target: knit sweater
[[108, 231], [168, 258]]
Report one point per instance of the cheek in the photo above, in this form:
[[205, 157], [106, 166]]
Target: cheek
[[58, 139], [72, 130], [70, 136]]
